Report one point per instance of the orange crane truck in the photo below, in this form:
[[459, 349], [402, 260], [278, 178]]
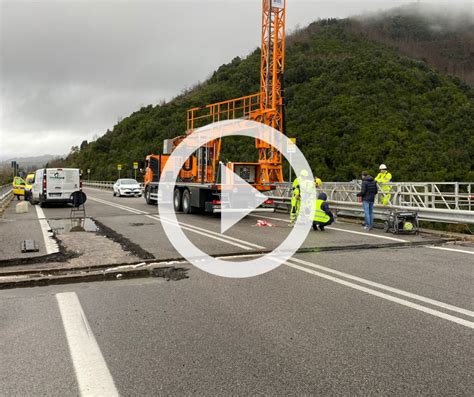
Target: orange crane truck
[[197, 187]]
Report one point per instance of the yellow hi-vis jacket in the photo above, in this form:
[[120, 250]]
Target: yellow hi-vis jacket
[[296, 183], [382, 178], [295, 195], [319, 214]]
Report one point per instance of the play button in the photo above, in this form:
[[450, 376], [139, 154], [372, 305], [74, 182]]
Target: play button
[[243, 203], [238, 198]]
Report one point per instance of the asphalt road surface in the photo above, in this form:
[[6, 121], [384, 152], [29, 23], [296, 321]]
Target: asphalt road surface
[[358, 320]]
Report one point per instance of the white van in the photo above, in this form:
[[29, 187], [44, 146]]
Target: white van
[[55, 185]]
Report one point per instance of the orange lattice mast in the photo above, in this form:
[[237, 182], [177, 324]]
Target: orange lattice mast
[[271, 80]]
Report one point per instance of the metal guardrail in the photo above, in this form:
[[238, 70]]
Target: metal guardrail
[[381, 212], [108, 185], [445, 195], [5, 193], [450, 202]]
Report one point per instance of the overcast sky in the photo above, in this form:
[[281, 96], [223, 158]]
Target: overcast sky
[[70, 69]]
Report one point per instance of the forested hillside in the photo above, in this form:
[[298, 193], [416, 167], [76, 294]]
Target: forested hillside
[[352, 103], [442, 37]]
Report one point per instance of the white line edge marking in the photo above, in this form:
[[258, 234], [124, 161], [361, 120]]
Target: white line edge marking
[[50, 245], [433, 302], [339, 230], [382, 295], [220, 235], [199, 232], [450, 249], [195, 229], [367, 234], [92, 373], [377, 236]]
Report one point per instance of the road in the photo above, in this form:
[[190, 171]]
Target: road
[[358, 314]]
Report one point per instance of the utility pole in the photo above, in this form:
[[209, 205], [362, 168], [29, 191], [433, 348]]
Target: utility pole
[[15, 168]]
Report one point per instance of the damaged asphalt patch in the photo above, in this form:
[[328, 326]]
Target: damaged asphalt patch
[[82, 256], [123, 241], [142, 270]]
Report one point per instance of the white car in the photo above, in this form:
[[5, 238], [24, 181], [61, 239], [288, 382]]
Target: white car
[[127, 187]]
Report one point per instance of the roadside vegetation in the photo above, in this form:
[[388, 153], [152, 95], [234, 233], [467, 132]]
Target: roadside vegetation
[[354, 99]]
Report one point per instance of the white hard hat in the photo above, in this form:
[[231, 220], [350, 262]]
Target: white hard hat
[[382, 167]]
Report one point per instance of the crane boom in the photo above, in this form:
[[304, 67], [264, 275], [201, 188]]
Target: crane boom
[[271, 110], [198, 184], [267, 106]]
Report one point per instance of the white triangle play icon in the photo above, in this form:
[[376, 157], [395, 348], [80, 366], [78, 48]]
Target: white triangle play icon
[[238, 198]]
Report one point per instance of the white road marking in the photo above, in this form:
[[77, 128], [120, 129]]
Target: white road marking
[[382, 295], [120, 206], [338, 229], [450, 249], [192, 228], [387, 288], [93, 376], [50, 245], [181, 223], [219, 234], [367, 234], [206, 234]]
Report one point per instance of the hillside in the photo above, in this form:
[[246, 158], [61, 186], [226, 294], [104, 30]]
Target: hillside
[[443, 38], [352, 103]]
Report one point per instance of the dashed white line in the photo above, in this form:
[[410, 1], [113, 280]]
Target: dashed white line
[[50, 245], [92, 373]]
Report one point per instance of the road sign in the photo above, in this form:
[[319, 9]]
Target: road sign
[[291, 146], [135, 166], [119, 167], [88, 170]]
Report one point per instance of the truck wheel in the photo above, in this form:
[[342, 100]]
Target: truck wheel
[[148, 199], [41, 202], [177, 203], [187, 209]]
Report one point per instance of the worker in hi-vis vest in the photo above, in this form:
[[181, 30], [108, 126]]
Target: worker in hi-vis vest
[[295, 203], [383, 179], [322, 214], [296, 196]]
